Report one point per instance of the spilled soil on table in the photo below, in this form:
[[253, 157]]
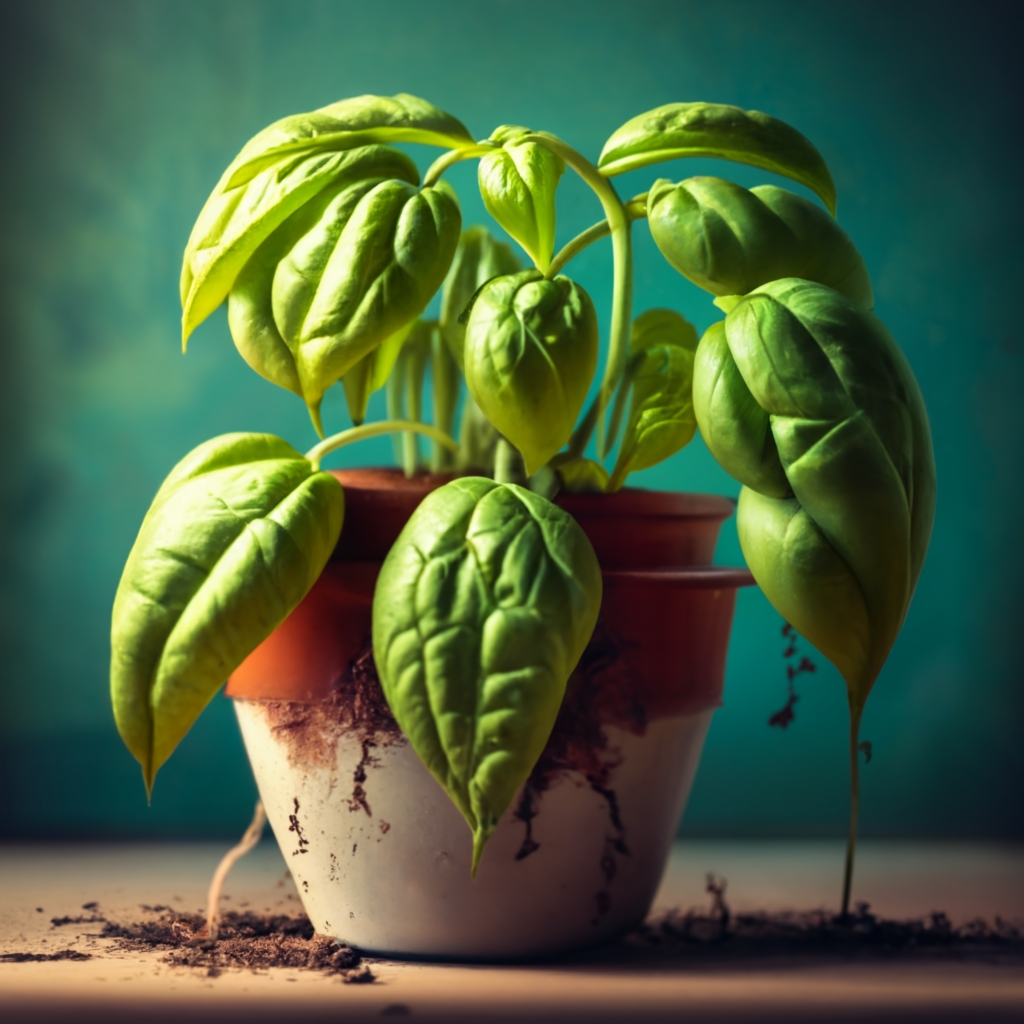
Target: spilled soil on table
[[245, 941]]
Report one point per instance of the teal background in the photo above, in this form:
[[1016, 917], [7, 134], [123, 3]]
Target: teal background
[[118, 119]]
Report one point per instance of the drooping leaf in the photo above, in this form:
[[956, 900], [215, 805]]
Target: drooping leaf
[[236, 536], [478, 258], [235, 222], [362, 272], [518, 182], [717, 130], [357, 121], [661, 419], [482, 610], [730, 240], [530, 354], [840, 554], [371, 373]]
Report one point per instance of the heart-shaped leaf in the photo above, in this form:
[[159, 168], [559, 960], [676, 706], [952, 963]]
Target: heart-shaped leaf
[[530, 355], [478, 258], [717, 130], [660, 379], [730, 240], [518, 182], [482, 610], [235, 222], [359, 274], [234, 539], [838, 556]]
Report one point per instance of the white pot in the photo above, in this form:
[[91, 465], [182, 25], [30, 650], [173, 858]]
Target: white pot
[[381, 857]]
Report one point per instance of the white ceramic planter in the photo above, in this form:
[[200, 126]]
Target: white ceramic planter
[[381, 857]]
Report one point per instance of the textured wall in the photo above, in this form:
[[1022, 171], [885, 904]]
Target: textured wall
[[118, 118]]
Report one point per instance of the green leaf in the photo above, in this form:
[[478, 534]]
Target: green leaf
[[235, 221], [482, 610], [717, 130], [518, 182], [730, 240], [840, 554], [661, 419], [365, 269], [234, 539], [478, 258], [371, 372], [582, 476], [530, 355], [358, 121]]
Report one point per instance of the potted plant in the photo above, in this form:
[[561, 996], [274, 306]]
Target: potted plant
[[470, 630]]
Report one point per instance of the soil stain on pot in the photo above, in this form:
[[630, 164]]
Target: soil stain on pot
[[602, 691], [356, 706]]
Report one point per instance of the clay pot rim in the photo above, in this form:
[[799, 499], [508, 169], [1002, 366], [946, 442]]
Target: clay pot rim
[[701, 577], [629, 502]]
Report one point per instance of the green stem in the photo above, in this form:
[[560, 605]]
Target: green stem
[[449, 159], [367, 430], [851, 840], [636, 209], [581, 435], [508, 464], [622, 256]]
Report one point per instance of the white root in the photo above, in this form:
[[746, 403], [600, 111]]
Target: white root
[[248, 841]]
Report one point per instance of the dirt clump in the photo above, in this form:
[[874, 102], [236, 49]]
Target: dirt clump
[[62, 954], [245, 940]]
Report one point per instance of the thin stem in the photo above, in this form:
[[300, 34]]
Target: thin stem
[[368, 430], [622, 256], [851, 840], [636, 209], [581, 435], [508, 464], [452, 157], [236, 853]]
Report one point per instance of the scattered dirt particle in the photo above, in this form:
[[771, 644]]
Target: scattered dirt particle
[[244, 941], [62, 954], [385, 826], [60, 922], [90, 906]]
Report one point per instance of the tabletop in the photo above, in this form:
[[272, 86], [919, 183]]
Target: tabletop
[[634, 980]]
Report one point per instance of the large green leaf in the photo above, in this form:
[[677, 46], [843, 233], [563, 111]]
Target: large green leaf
[[840, 553], [478, 258], [518, 182], [530, 355], [357, 121], [344, 275], [717, 130], [730, 240], [235, 221], [482, 610], [660, 380], [236, 536]]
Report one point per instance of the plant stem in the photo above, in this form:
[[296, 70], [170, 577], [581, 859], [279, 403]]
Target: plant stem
[[236, 853], [622, 255], [452, 157], [508, 464], [368, 430], [636, 208], [851, 840]]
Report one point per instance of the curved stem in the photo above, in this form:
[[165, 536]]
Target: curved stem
[[449, 159], [851, 840], [368, 430], [636, 209], [622, 254]]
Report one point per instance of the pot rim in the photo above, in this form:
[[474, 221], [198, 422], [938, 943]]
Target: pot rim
[[701, 577]]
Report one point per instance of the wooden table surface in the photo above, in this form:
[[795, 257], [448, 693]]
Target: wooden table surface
[[621, 982]]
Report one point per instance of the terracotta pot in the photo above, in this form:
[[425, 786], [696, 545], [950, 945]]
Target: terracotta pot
[[382, 861]]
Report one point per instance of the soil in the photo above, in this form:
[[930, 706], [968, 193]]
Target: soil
[[822, 933], [245, 941], [356, 705]]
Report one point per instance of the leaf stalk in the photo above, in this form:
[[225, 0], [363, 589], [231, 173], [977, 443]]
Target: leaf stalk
[[368, 430]]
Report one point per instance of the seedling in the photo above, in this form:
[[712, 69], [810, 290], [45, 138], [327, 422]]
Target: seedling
[[326, 249]]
